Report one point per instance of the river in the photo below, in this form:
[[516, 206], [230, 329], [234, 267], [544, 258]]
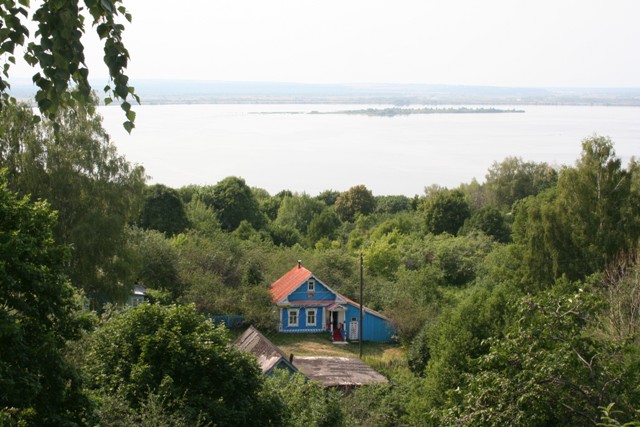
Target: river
[[285, 149]]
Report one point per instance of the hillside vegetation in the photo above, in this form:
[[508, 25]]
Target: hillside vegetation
[[515, 299]]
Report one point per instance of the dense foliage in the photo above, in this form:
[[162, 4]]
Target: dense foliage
[[38, 314], [75, 167], [172, 352], [57, 52]]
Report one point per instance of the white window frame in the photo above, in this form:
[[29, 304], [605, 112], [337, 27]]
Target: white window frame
[[297, 313], [311, 285], [315, 316]]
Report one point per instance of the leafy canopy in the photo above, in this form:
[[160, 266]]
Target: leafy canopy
[[58, 51], [175, 353], [37, 316]]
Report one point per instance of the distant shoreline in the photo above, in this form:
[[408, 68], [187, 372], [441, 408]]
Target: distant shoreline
[[172, 92]]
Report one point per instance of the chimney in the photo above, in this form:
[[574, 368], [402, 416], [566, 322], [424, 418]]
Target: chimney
[[291, 358], [299, 263]]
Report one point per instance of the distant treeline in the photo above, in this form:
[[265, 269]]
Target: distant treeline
[[398, 111]]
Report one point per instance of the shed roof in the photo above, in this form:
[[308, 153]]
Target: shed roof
[[268, 354], [139, 290], [337, 371]]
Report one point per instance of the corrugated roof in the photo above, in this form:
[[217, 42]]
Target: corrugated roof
[[367, 310], [338, 371], [268, 354], [139, 290], [288, 283]]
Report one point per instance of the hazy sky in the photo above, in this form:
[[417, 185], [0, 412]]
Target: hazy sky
[[588, 43]]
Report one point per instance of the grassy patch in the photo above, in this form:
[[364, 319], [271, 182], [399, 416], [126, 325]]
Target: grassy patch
[[320, 345]]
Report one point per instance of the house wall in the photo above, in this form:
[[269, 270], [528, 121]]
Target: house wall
[[321, 293], [374, 328], [302, 320]]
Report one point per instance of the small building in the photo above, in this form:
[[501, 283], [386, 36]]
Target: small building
[[138, 296], [341, 372], [269, 356], [306, 304]]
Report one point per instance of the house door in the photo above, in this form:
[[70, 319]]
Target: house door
[[353, 330], [334, 320]]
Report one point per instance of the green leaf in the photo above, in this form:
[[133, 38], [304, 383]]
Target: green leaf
[[108, 101], [106, 4], [128, 126], [131, 115], [125, 106]]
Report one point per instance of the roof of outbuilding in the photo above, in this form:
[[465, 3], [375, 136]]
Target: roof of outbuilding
[[288, 283], [268, 354], [139, 290], [338, 371]]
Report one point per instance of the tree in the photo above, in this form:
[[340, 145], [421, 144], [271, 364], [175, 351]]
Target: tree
[[382, 257], [96, 192], [58, 51], [548, 368], [233, 202], [162, 210], [512, 180], [356, 200], [392, 204], [329, 197], [305, 402], [324, 225], [298, 211], [596, 195], [491, 222], [38, 314], [578, 227], [158, 261], [202, 218], [175, 353], [445, 212], [284, 235], [460, 257]]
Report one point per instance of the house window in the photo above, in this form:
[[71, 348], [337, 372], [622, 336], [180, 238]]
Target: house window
[[311, 285], [311, 317], [293, 317]]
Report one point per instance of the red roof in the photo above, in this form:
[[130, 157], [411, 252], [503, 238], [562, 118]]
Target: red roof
[[288, 283]]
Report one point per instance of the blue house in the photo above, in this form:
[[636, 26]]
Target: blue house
[[305, 304]]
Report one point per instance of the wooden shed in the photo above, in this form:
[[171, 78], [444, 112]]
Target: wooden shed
[[269, 355]]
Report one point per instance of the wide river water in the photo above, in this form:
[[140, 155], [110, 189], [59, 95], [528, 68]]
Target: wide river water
[[201, 144]]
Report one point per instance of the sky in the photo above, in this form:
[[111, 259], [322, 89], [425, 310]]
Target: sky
[[514, 43]]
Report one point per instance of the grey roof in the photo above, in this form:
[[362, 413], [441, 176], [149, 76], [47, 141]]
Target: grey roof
[[337, 371], [268, 354], [139, 290]]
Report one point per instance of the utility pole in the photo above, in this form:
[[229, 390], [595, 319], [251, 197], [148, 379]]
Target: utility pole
[[361, 307]]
